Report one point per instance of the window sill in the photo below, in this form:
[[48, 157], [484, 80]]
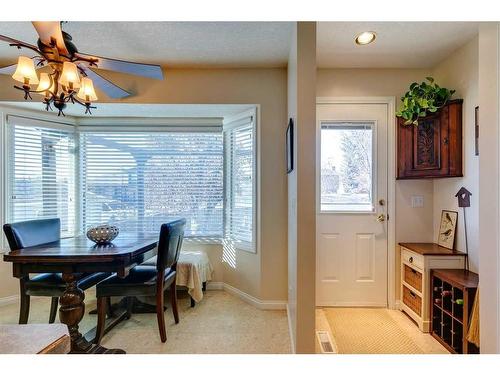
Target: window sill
[[202, 240]]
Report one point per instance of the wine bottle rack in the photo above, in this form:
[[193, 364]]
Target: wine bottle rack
[[452, 296]]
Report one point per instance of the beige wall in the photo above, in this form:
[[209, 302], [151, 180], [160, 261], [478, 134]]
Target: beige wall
[[459, 71], [412, 224], [262, 275], [292, 192], [489, 187], [302, 216]]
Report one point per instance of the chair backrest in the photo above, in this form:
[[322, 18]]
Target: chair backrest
[[32, 233], [169, 244]]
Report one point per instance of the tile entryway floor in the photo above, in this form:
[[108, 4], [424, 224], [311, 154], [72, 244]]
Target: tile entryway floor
[[374, 331]]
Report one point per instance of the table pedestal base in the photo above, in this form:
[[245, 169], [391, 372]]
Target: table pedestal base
[[71, 313]]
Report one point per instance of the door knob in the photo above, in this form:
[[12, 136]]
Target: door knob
[[381, 218]]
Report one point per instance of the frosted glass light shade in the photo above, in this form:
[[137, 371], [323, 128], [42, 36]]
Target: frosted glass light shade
[[45, 83], [87, 92], [25, 71], [69, 76]]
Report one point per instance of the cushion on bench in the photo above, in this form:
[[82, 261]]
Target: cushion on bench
[[193, 269]]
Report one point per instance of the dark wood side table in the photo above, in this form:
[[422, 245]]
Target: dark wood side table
[[452, 297]]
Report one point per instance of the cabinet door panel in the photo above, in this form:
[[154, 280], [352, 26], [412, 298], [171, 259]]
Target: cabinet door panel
[[434, 147]]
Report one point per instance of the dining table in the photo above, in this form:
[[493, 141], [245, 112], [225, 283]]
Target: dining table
[[75, 255]]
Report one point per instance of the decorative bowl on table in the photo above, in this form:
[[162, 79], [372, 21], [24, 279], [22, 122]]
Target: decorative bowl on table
[[103, 234]]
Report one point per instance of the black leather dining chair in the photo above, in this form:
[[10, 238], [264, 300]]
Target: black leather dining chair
[[31, 233], [144, 280]]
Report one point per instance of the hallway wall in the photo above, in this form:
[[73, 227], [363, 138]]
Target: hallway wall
[[460, 72]]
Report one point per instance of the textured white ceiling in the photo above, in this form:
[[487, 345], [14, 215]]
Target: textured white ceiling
[[172, 44], [256, 44], [398, 44]]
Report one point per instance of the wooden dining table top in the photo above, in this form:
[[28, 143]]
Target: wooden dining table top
[[75, 255], [80, 249]]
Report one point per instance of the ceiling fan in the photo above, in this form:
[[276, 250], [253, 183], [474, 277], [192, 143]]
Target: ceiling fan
[[71, 75]]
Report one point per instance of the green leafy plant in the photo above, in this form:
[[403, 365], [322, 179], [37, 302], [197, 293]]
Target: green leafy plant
[[421, 99]]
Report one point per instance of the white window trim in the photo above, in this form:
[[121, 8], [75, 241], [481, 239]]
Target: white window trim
[[256, 230]]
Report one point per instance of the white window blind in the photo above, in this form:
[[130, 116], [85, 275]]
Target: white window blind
[[239, 215], [140, 180], [41, 172]]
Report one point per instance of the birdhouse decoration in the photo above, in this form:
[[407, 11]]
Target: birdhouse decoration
[[463, 196]]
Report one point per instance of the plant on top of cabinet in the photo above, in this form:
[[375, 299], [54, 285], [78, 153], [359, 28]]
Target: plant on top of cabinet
[[422, 99]]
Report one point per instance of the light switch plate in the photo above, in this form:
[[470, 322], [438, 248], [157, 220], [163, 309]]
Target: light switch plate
[[417, 201]]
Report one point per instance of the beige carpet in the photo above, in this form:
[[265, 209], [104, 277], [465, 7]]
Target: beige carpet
[[368, 331], [220, 323]]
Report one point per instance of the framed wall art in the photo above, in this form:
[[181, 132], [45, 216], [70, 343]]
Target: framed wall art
[[447, 229]]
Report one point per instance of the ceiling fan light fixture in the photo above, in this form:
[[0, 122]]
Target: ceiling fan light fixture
[[65, 75], [25, 71], [366, 37], [87, 92], [69, 76]]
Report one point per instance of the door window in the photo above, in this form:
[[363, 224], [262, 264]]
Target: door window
[[347, 173]]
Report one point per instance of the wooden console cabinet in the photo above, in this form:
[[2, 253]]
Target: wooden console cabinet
[[433, 149], [417, 261]]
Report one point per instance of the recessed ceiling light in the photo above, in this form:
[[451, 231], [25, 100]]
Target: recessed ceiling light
[[366, 37]]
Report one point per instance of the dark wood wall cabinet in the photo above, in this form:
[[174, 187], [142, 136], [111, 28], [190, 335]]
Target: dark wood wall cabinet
[[433, 149]]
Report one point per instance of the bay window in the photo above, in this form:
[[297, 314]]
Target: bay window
[[136, 178]]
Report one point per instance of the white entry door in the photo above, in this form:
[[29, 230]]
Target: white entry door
[[351, 238]]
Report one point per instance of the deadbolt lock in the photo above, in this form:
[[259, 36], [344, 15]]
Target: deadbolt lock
[[381, 202]]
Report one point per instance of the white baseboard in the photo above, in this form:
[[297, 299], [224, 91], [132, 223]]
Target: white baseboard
[[290, 331], [397, 305], [211, 285], [215, 285], [260, 304]]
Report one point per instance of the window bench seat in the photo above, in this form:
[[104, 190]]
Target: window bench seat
[[193, 271]]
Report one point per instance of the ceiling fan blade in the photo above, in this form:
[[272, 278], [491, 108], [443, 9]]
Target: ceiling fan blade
[[49, 31], [106, 86], [129, 67], [9, 69], [15, 41]]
